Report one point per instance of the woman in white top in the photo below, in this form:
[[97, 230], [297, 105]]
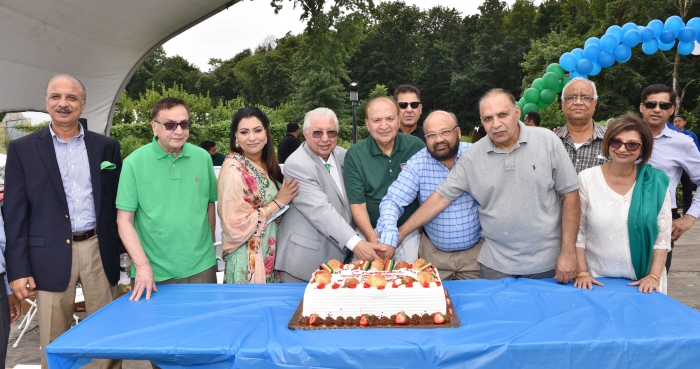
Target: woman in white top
[[625, 227]]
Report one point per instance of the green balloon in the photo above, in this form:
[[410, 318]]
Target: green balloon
[[547, 96], [551, 80], [542, 105], [538, 84], [522, 102], [556, 69], [563, 83], [530, 107], [532, 95]]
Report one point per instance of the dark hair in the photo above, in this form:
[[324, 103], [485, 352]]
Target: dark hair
[[292, 127], [385, 98], [406, 88], [207, 145], [268, 152], [167, 104], [657, 89], [495, 91], [629, 122], [534, 116], [680, 116]]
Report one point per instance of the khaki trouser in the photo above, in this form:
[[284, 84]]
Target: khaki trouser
[[55, 309], [452, 265]]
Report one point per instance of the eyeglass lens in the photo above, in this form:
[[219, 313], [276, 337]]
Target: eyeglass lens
[[319, 134], [629, 146], [414, 105], [663, 105], [171, 126]]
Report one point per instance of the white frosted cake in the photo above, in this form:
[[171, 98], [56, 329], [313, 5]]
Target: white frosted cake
[[376, 293]]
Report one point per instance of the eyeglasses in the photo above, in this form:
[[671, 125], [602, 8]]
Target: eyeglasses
[[444, 134], [631, 146], [414, 105], [318, 134], [584, 98], [663, 105], [171, 126]]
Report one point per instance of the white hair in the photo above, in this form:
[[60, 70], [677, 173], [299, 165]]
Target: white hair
[[320, 112], [595, 92], [70, 77]]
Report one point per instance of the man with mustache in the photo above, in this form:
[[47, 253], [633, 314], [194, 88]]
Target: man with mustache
[[372, 165], [673, 153], [452, 240], [61, 219], [408, 98], [515, 170]]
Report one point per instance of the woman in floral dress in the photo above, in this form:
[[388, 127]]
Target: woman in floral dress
[[251, 191]]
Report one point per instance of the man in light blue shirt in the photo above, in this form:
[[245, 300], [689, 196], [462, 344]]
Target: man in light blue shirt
[[10, 308], [451, 240]]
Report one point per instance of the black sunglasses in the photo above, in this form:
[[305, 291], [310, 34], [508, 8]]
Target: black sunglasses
[[662, 105], [318, 134], [414, 105], [630, 146], [171, 126]]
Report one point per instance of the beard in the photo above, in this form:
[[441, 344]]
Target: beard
[[451, 152]]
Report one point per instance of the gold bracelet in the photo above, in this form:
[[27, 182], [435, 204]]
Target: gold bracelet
[[582, 274], [655, 277], [269, 210]]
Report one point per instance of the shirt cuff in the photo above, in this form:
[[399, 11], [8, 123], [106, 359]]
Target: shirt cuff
[[390, 238], [694, 211], [350, 245]]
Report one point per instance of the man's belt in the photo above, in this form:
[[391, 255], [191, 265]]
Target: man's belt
[[82, 236]]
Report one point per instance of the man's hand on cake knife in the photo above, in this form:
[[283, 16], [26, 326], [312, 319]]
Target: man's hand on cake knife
[[368, 251]]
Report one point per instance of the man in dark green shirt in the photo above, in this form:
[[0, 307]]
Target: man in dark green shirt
[[373, 164], [217, 158]]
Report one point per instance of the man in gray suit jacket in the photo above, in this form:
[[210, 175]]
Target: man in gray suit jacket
[[318, 226]]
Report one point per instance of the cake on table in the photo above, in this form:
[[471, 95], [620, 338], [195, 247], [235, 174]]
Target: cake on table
[[380, 293]]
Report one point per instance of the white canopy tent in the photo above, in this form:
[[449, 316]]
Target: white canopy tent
[[100, 42]]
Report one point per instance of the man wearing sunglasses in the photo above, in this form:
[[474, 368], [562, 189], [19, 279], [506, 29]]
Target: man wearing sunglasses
[[408, 98], [687, 185], [673, 153], [581, 136], [318, 226], [61, 226], [166, 198], [452, 239]]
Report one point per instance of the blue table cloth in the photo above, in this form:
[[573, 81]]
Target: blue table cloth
[[508, 323]]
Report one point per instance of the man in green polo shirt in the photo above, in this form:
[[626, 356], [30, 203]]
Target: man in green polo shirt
[[372, 165], [165, 203]]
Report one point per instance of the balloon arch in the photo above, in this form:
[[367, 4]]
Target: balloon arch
[[615, 46]]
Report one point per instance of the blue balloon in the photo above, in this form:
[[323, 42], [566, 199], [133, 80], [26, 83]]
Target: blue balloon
[[687, 34], [575, 74], [568, 62], [592, 40], [650, 46], [667, 46], [578, 53], [608, 42], [674, 23], [695, 24], [657, 26], [591, 51], [685, 48], [615, 30], [667, 36], [606, 59], [631, 38], [629, 26], [596, 69], [584, 66], [647, 34], [622, 53]]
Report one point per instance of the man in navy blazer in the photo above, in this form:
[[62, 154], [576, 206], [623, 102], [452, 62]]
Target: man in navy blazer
[[60, 193]]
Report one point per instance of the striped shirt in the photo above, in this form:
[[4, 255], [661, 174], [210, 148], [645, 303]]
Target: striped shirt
[[455, 228], [590, 153]]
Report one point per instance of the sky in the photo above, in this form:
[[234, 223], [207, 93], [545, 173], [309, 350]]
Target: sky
[[248, 23]]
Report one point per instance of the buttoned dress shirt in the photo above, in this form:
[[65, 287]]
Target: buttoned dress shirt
[[455, 228], [3, 266], [673, 153], [75, 175], [590, 153]]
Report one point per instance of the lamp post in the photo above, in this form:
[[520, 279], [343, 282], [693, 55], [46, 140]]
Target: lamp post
[[353, 100]]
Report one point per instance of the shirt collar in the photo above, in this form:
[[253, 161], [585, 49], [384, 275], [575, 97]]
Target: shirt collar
[[667, 132], [81, 133], [598, 132], [330, 160], [374, 149], [160, 153], [523, 137]]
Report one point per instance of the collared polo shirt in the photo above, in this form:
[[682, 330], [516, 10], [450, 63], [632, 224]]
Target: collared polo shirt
[[169, 196], [518, 196], [368, 172], [590, 153]]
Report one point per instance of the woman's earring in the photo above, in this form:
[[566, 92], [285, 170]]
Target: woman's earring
[[238, 144]]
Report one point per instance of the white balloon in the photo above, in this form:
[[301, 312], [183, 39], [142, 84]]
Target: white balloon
[[696, 50]]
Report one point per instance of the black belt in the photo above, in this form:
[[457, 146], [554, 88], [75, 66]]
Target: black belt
[[82, 236]]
